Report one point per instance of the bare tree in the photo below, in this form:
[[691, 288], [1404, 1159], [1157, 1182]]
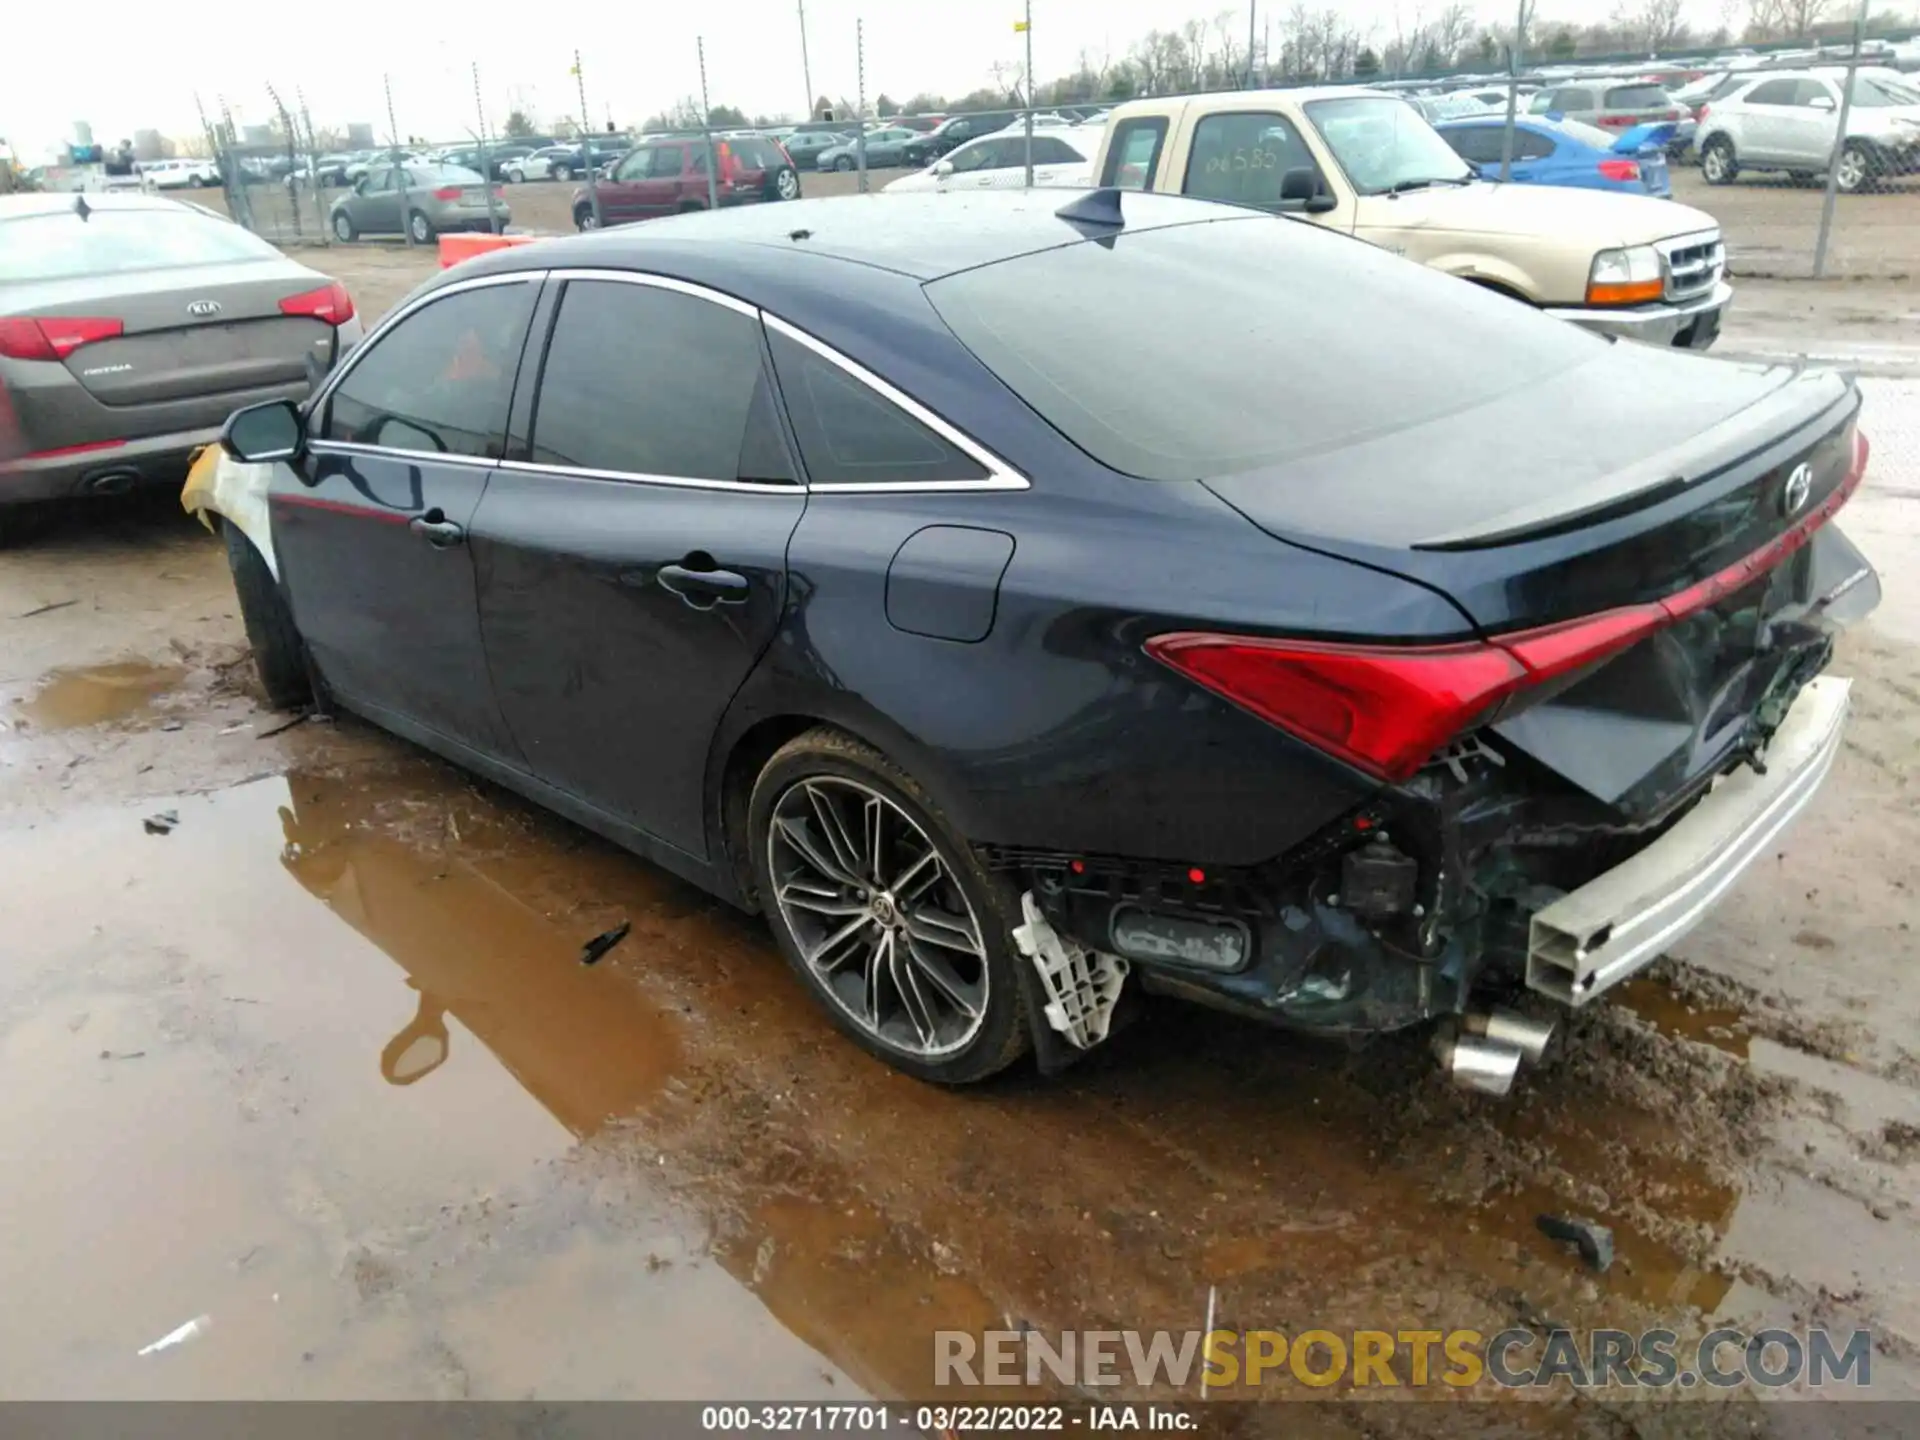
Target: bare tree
[[1803, 15], [1452, 28], [1407, 36], [1649, 25]]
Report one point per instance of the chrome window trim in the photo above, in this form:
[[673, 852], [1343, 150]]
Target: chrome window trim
[[661, 282], [632, 477], [394, 452], [479, 282], [1000, 475]]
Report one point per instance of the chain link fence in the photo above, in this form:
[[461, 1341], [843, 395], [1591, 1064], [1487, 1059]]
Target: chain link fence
[[1852, 214]]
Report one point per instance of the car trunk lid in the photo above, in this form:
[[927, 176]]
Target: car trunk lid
[[1685, 510], [190, 333]]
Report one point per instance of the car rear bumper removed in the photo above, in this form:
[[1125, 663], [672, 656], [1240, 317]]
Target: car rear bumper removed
[[1688, 325], [1593, 938]]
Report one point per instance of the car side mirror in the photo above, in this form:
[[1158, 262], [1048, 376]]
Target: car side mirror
[[1821, 102], [1300, 189], [259, 433], [360, 186], [943, 168]]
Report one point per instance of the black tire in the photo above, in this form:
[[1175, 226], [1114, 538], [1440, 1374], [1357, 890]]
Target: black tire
[[783, 181], [563, 173], [279, 654], [516, 177], [344, 229], [1718, 165], [583, 218], [844, 162], [690, 207], [420, 227], [1002, 1036]]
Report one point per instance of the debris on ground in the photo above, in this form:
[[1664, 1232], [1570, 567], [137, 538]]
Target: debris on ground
[[285, 725], [45, 609], [174, 725], [163, 823], [600, 944], [1595, 1240], [192, 1330], [122, 1054]]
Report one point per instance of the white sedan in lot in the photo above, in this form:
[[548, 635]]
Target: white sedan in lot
[[1062, 155]]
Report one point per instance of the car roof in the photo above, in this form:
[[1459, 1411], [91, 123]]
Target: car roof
[[920, 236], [58, 202]]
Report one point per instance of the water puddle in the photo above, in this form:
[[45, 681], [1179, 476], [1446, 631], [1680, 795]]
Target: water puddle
[[97, 694], [323, 1062], [1656, 1002]]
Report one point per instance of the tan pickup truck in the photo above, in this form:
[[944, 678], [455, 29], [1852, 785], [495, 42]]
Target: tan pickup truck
[[1366, 163]]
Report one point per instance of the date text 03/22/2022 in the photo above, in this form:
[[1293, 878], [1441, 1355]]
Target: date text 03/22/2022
[[945, 1420]]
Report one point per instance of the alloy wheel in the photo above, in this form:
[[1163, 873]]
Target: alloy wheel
[[788, 184], [1713, 164], [877, 916], [1853, 169]]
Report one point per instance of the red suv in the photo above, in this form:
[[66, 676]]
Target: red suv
[[668, 175]]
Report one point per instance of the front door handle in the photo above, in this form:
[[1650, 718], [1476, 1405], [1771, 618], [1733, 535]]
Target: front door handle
[[704, 589], [440, 533]]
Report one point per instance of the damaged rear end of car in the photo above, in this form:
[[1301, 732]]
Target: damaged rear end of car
[[1638, 548]]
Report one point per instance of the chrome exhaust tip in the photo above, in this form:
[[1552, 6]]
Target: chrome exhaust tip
[[1509, 1027], [1475, 1063]]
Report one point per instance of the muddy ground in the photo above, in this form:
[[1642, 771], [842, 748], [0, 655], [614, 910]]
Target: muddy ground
[[320, 1064]]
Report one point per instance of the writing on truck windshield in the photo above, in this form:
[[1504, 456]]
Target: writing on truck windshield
[[1385, 145]]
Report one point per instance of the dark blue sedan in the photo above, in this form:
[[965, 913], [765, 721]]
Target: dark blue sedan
[[1547, 151], [1035, 602]]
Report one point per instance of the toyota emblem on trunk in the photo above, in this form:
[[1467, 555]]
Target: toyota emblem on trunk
[[204, 308], [1799, 485]]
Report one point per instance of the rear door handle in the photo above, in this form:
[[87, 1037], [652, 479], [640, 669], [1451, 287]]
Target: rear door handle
[[704, 589], [440, 533]]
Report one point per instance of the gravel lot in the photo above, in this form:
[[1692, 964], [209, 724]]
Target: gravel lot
[[224, 1046]]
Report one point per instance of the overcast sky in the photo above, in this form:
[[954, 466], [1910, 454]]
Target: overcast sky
[[124, 67]]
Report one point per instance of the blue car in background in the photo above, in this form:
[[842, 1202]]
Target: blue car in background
[[1550, 151]]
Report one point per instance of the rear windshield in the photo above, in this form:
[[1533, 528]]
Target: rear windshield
[[112, 242], [1208, 349], [1637, 97], [756, 154]]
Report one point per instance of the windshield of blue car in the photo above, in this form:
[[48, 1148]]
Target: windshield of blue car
[[1383, 144], [1253, 330], [62, 246]]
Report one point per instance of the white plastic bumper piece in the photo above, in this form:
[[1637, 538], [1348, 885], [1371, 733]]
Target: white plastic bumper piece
[[1590, 940]]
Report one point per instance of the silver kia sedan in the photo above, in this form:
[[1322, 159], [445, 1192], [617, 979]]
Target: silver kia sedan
[[131, 326]]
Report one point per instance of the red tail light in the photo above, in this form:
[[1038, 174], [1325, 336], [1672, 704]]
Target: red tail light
[[53, 337], [1386, 709], [1620, 169], [1617, 122], [330, 303], [729, 166], [447, 192], [1700, 113]]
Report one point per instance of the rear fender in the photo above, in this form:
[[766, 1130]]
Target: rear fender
[[217, 484]]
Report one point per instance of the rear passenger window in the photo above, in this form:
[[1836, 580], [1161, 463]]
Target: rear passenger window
[[1774, 92], [1134, 153], [440, 380], [850, 434], [650, 382], [1476, 144], [1636, 97]]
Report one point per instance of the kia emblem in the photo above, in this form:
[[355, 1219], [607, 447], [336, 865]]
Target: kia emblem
[[201, 309], [1799, 485]]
